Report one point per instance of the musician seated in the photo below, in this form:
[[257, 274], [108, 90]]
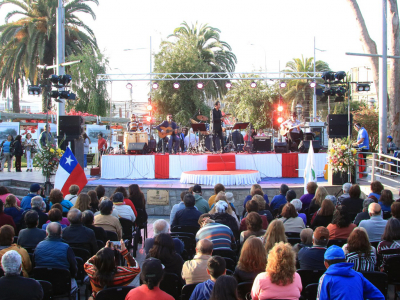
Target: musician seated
[[237, 138], [294, 132], [191, 140], [132, 126], [260, 132], [168, 127]]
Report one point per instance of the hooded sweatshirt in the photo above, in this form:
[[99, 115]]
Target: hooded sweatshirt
[[340, 281], [203, 290], [201, 204]]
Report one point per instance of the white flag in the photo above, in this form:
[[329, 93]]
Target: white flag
[[309, 172]]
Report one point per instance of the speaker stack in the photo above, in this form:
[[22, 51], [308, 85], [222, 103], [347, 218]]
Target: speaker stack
[[71, 126], [281, 147], [338, 127], [305, 146]]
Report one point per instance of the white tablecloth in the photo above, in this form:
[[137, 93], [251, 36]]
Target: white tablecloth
[[269, 165], [235, 179], [127, 166], [320, 162], [183, 163]]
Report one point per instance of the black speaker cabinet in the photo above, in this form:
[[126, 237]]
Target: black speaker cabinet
[[71, 126], [337, 125], [262, 144], [281, 147], [137, 148], [305, 146]]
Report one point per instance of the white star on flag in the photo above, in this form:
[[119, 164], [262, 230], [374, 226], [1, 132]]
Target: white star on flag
[[69, 160]]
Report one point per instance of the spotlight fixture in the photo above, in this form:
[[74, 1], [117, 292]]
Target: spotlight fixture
[[341, 75], [313, 84], [280, 120], [155, 85], [253, 84], [328, 76], [282, 85], [34, 90], [340, 92], [228, 84], [176, 85], [280, 108], [200, 85], [63, 95], [148, 118], [60, 81], [129, 86], [363, 87], [149, 107]]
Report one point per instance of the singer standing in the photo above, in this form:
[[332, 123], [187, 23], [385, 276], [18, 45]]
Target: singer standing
[[217, 126]]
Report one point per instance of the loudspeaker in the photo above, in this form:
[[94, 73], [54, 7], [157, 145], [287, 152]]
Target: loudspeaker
[[337, 125], [309, 136], [281, 147], [71, 126], [305, 145], [262, 144], [137, 148]]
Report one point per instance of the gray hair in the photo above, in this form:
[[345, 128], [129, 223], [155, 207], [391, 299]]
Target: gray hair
[[11, 263], [366, 203], [332, 198], [37, 202], [74, 216], [53, 229], [298, 205], [160, 226], [346, 187]]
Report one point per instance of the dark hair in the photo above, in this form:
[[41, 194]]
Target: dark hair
[[152, 281], [392, 230], [94, 201], [55, 215], [341, 217], [3, 190], [100, 191], [373, 198], [57, 206], [136, 195], [290, 195], [376, 187], [355, 191], [85, 136], [189, 200], [31, 217], [225, 288], [216, 265], [6, 235], [311, 187], [183, 195], [105, 268], [251, 205], [257, 192], [56, 196], [335, 261], [1, 206], [87, 217], [106, 207], [395, 209], [253, 222], [358, 125], [118, 197], [327, 208], [219, 187], [283, 189], [216, 103], [101, 134], [386, 197], [122, 190], [163, 247], [358, 242], [289, 211], [18, 137]]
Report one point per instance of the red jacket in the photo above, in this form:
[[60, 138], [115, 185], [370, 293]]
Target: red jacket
[[102, 144]]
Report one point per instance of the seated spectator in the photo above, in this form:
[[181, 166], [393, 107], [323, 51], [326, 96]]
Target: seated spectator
[[126, 201], [231, 200], [216, 267], [390, 239], [56, 196], [324, 216], [275, 234], [11, 283], [124, 211], [104, 272], [78, 235], [88, 220], [359, 251], [37, 205], [312, 258], [340, 281], [252, 206], [138, 200], [280, 199], [223, 207], [73, 193], [280, 279], [6, 244], [31, 236], [162, 226], [151, 276], [189, 215], [354, 203], [64, 220], [94, 201], [376, 189], [55, 215], [164, 250], [254, 188], [113, 213], [291, 220], [34, 191], [306, 240], [341, 225], [386, 200], [106, 220], [217, 188], [6, 219], [12, 209], [316, 202], [395, 210], [201, 204], [220, 235], [298, 205], [262, 209], [253, 226], [225, 287], [82, 202], [364, 215], [346, 188], [4, 193], [375, 226], [252, 260], [177, 207], [307, 198], [100, 191], [222, 213], [195, 270], [331, 198]]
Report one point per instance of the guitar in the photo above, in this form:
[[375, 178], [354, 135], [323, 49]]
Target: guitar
[[167, 131], [286, 130]]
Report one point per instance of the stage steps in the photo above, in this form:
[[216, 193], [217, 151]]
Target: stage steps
[[221, 162]]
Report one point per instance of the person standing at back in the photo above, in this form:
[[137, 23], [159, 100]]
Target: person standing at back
[[6, 154]]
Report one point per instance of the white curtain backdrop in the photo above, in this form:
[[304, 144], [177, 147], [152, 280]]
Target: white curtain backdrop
[[269, 165], [320, 162], [127, 166]]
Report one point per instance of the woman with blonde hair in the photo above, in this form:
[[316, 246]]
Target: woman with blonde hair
[[316, 203], [222, 205], [254, 188], [11, 208], [280, 279], [83, 202], [275, 234]]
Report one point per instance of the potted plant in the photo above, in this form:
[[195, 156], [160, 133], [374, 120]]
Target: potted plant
[[342, 160]]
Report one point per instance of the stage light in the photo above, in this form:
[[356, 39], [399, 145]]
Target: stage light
[[155, 85], [280, 108], [200, 85], [341, 75], [280, 120], [129, 86], [176, 85], [228, 84], [148, 118], [329, 92], [34, 90], [313, 84], [149, 107], [65, 79], [363, 87], [328, 76], [340, 91], [253, 84], [54, 79], [282, 85], [63, 95]]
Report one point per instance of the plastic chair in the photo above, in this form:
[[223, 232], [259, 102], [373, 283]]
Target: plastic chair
[[114, 293], [185, 228], [171, 284], [111, 236], [189, 244], [338, 242], [379, 280], [81, 270], [230, 264], [387, 215], [47, 289], [309, 277], [188, 234], [187, 291], [127, 231], [226, 253], [311, 291], [244, 288], [100, 244], [293, 240], [391, 268], [82, 253], [292, 234]]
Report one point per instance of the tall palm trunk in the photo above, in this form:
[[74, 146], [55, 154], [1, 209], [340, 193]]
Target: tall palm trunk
[[15, 96]]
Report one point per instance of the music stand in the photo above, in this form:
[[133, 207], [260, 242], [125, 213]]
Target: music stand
[[240, 126]]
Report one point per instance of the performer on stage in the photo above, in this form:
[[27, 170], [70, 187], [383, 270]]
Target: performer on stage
[[174, 139], [101, 145], [295, 134], [133, 125], [362, 140], [217, 125]]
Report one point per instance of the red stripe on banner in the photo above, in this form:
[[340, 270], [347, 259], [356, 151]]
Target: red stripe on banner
[[361, 164], [290, 165], [161, 168], [77, 177]]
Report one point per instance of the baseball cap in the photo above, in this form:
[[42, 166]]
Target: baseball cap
[[334, 252], [389, 137], [34, 187], [152, 267], [229, 197], [197, 188], [321, 233]]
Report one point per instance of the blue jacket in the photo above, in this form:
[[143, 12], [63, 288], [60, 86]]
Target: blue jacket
[[203, 290], [66, 205], [188, 216], [277, 201], [26, 201], [340, 281], [15, 213]]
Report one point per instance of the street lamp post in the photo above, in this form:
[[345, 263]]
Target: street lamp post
[[315, 88]]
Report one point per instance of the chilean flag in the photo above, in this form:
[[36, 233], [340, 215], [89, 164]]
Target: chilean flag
[[69, 172]]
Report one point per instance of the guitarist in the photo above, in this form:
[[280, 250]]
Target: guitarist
[[174, 139], [295, 135]]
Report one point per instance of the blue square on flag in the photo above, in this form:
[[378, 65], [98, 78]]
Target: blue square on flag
[[68, 161]]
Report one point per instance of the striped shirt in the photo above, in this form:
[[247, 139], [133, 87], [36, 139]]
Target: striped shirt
[[220, 235], [385, 245], [362, 263]]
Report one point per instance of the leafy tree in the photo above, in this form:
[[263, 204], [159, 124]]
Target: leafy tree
[[92, 96]]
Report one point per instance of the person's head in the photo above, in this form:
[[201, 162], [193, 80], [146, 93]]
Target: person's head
[[122, 190], [219, 187], [100, 191], [55, 215], [321, 236], [220, 206], [283, 189], [94, 201], [366, 204], [357, 126], [355, 191], [106, 207], [204, 219], [293, 116], [183, 195], [346, 187], [74, 216], [152, 272], [53, 230], [74, 189], [47, 127], [290, 195], [389, 138], [341, 217], [189, 200], [11, 263], [135, 192], [260, 201], [376, 187], [117, 197], [217, 104], [28, 136], [204, 247], [395, 209], [105, 267], [133, 117], [281, 264], [56, 196], [252, 205], [252, 256], [85, 136], [18, 138], [82, 202], [87, 217], [253, 222], [31, 219], [255, 187], [358, 242], [229, 197], [320, 195], [57, 206], [216, 266], [288, 211], [331, 198], [220, 196], [160, 226], [334, 255], [4, 190], [306, 236], [35, 188], [100, 135], [11, 201], [298, 205], [327, 208], [6, 235], [225, 288], [392, 230], [374, 209], [275, 234], [163, 247], [9, 138], [197, 189], [37, 202], [386, 197]]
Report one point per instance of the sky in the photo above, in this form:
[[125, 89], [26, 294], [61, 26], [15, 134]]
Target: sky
[[262, 33]]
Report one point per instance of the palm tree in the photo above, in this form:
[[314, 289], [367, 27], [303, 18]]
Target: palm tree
[[34, 35], [216, 53]]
